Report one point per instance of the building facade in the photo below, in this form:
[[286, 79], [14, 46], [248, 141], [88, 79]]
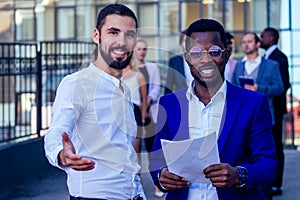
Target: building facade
[[159, 23]]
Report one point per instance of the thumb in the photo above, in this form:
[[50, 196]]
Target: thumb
[[65, 138]]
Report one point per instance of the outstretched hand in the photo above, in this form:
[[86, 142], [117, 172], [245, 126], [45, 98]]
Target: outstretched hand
[[68, 157], [222, 175]]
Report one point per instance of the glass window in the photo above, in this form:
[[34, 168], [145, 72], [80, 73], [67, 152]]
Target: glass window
[[296, 42], [295, 14], [6, 26], [284, 15], [190, 11], [86, 22], [212, 9], [234, 15], [65, 19], [65, 3], [169, 17], [257, 15], [148, 17], [24, 19]]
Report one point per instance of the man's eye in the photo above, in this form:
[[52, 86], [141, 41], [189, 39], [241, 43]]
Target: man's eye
[[113, 32], [130, 35]]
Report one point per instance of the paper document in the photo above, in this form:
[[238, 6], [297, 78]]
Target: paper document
[[188, 158]]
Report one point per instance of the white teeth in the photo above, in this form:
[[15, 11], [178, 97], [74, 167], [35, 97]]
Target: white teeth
[[207, 71], [119, 52]]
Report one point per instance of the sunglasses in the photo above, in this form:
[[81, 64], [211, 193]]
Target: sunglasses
[[213, 52]]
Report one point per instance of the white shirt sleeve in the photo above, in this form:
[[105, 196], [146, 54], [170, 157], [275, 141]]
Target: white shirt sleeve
[[64, 115]]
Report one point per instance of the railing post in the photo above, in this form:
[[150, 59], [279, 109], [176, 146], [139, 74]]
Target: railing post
[[39, 93]]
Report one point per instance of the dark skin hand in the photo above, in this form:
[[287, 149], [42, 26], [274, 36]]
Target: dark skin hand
[[222, 175], [68, 158], [171, 181]]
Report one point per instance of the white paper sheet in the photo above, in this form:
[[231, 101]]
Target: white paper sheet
[[188, 158]]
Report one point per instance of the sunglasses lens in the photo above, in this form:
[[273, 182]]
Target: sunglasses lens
[[215, 52], [196, 54]]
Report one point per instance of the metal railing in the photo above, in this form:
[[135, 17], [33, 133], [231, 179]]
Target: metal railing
[[30, 74]]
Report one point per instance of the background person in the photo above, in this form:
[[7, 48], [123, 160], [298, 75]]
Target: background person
[[152, 75], [179, 74], [240, 117], [269, 40], [138, 88], [230, 65], [265, 73], [96, 148]]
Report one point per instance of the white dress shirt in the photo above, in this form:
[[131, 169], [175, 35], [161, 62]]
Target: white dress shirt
[[187, 72], [202, 121], [251, 65], [270, 50], [99, 119]]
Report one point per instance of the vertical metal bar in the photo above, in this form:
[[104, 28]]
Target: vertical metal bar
[[39, 91]]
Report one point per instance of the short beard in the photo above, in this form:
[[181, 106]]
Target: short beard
[[118, 63]]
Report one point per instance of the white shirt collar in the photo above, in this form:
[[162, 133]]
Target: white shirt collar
[[270, 50], [191, 92]]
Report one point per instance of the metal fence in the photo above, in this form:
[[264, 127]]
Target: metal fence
[[30, 74]]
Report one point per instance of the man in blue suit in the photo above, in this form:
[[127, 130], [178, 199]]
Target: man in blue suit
[[268, 41], [240, 117], [179, 75], [265, 73]]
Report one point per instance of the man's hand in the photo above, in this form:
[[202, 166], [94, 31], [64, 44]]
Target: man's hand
[[68, 157], [171, 181], [251, 87], [222, 175]]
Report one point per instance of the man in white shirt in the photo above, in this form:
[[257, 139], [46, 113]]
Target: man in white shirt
[[88, 138]]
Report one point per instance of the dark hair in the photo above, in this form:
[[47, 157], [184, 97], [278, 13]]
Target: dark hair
[[181, 36], [117, 9], [229, 36], [274, 33], [207, 25], [256, 38]]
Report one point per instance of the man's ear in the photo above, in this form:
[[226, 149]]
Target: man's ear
[[227, 55], [96, 36]]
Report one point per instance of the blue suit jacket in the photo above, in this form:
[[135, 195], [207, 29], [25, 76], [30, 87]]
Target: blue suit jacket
[[176, 76], [268, 79], [245, 139]]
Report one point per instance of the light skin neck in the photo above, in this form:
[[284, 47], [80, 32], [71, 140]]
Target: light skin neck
[[252, 56]]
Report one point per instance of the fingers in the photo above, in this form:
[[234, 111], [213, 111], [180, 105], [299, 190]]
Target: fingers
[[69, 158], [171, 181], [221, 175]]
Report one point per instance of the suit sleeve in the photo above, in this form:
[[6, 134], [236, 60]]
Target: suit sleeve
[[275, 87], [262, 164]]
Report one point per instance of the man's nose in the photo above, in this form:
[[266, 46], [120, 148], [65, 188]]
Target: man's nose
[[121, 40]]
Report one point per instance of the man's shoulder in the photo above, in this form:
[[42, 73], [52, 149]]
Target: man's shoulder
[[177, 95]]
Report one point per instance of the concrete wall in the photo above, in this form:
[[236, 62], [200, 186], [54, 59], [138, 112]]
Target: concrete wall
[[23, 162]]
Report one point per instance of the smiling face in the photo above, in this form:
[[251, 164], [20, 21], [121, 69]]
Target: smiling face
[[116, 40], [205, 70]]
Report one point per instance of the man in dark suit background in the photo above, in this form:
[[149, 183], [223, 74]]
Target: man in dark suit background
[[179, 75], [269, 41]]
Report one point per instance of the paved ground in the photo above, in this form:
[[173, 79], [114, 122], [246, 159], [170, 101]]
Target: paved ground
[[53, 187]]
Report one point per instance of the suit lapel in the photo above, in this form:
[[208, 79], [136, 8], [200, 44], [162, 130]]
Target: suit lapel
[[261, 70], [232, 103]]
